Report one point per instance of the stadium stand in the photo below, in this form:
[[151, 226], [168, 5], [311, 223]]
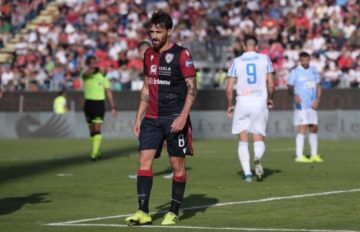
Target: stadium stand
[[45, 45]]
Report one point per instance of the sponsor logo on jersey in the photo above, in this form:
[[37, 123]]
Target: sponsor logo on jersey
[[153, 81], [164, 71], [169, 57], [189, 63], [153, 69], [187, 52]]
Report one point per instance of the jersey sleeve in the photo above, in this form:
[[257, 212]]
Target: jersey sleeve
[[146, 53], [269, 67], [232, 70], [186, 64], [106, 83], [291, 78], [317, 75]]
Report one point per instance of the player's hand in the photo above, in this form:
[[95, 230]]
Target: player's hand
[[178, 124], [230, 111], [136, 128], [315, 104], [297, 99], [113, 112], [270, 103]]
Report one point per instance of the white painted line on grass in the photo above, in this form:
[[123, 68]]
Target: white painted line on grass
[[219, 204], [201, 228]]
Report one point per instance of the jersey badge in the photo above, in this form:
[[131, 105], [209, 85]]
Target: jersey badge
[[169, 57]]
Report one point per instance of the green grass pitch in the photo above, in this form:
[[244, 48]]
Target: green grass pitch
[[45, 181]]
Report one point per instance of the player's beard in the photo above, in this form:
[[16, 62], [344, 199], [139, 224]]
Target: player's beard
[[159, 43]]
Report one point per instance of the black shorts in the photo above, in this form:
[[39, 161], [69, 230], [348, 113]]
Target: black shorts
[[94, 111], [153, 133]]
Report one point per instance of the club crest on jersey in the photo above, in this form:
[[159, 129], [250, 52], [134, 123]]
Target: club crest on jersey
[[169, 57], [153, 69]]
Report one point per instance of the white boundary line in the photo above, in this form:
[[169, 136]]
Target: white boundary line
[[206, 228], [75, 222]]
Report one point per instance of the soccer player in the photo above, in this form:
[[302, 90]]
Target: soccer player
[[96, 86], [304, 88], [167, 95], [251, 74]]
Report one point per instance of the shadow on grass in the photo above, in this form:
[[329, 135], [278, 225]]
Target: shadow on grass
[[168, 171], [11, 204], [267, 172], [12, 173], [193, 204]]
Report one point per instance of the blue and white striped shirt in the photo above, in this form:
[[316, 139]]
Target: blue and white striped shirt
[[305, 85], [250, 70]]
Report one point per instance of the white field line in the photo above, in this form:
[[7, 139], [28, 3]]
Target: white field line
[[218, 205], [203, 228]]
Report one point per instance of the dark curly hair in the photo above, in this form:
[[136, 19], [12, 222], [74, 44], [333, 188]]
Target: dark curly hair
[[161, 19]]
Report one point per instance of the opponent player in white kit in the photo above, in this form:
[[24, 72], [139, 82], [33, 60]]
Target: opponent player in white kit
[[304, 87], [252, 74]]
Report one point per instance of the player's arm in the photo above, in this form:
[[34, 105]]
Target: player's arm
[[229, 92], [110, 98], [271, 89], [315, 104], [143, 104], [290, 85], [180, 121]]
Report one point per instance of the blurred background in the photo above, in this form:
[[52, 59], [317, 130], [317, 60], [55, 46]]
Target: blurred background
[[44, 43]]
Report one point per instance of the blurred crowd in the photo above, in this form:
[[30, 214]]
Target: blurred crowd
[[51, 56]]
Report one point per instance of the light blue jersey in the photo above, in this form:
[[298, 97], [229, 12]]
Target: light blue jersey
[[250, 70], [305, 85]]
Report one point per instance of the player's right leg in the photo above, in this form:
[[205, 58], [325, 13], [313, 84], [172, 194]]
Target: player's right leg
[[300, 138], [244, 155], [150, 138], [240, 127], [144, 186]]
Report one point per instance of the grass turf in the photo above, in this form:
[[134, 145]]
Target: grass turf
[[44, 181]]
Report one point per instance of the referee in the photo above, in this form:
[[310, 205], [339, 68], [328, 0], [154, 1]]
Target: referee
[[96, 85]]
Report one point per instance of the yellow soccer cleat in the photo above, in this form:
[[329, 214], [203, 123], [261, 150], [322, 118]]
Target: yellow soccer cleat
[[138, 219], [170, 219], [303, 159], [316, 159]]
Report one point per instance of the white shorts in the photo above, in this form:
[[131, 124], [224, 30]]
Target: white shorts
[[305, 117], [251, 117]]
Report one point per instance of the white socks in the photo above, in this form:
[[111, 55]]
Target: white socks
[[300, 145], [244, 157], [313, 141], [259, 149]]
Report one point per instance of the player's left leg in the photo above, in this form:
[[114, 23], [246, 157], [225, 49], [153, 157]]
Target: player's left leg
[[313, 142], [178, 145], [96, 138], [259, 150], [178, 190]]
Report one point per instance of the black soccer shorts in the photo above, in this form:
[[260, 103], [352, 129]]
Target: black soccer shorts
[[153, 133], [94, 111]]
